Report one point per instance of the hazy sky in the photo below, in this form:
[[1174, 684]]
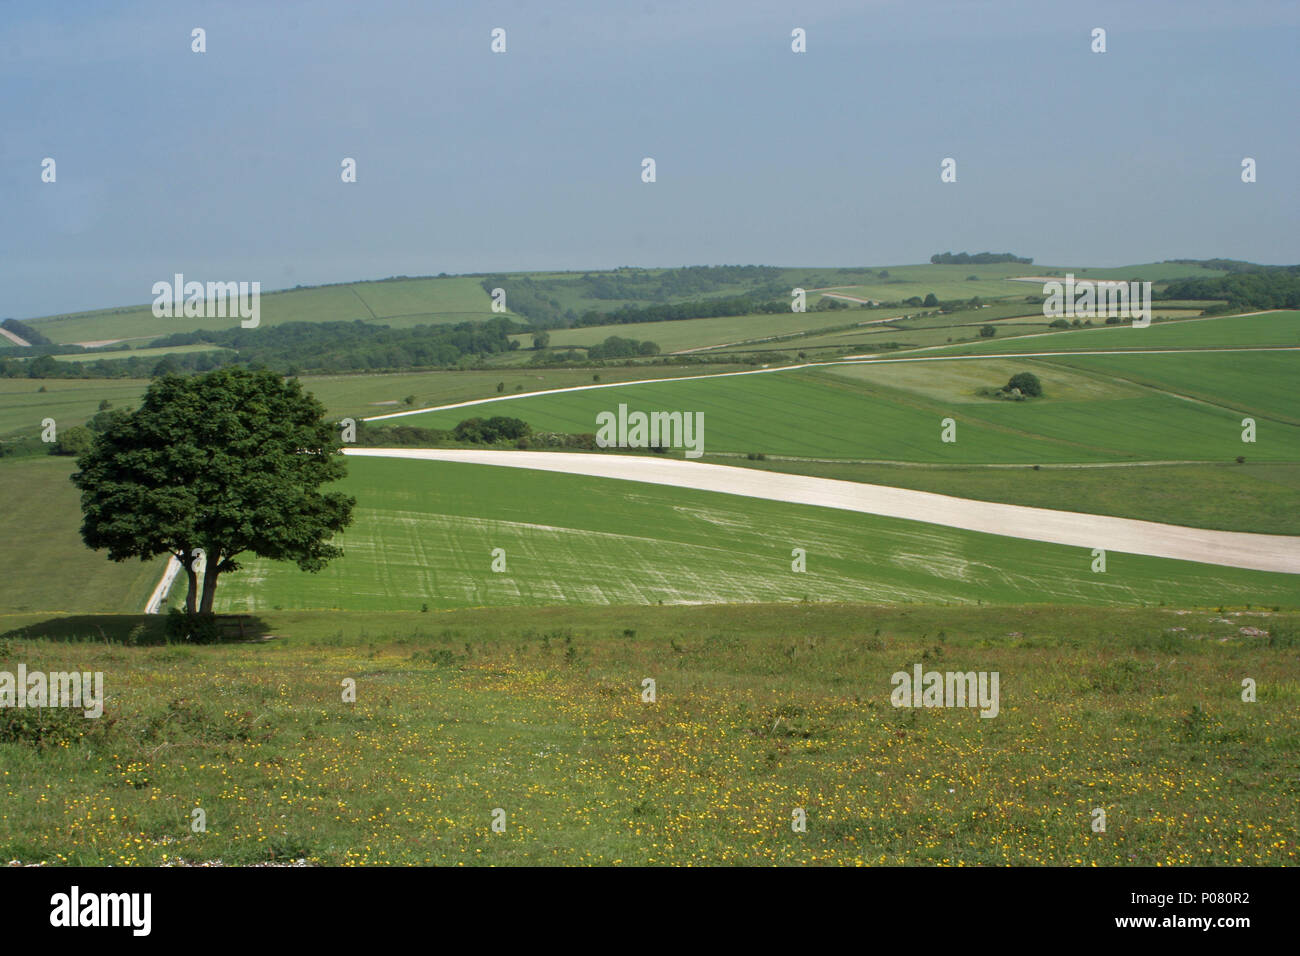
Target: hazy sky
[[226, 165]]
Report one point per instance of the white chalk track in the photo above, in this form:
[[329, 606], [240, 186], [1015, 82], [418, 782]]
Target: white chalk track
[[1234, 549]]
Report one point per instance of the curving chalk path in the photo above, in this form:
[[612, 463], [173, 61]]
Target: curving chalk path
[[1257, 552]]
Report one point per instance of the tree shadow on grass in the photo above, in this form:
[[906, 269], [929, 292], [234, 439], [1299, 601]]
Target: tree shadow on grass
[[139, 629]]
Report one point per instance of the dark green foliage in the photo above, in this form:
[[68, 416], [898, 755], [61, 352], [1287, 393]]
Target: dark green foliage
[[1267, 287], [76, 440], [978, 259], [615, 348], [491, 430], [1028, 384], [24, 332], [290, 348], [229, 462]]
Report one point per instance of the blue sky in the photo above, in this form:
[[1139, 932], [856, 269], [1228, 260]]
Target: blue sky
[[225, 165]]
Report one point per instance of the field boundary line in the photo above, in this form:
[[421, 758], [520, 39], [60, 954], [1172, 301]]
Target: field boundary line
[[847, 360]]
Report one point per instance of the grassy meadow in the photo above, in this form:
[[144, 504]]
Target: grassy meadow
[[758, 711]]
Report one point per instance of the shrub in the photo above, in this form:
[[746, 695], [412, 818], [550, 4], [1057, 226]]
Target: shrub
[[488, 431], [1027, 382], [73, 441], [987, 331]]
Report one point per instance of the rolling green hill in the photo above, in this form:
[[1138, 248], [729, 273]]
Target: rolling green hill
[[893, 411], [425, 534]]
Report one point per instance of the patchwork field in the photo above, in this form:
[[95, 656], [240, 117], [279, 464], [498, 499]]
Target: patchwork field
[[520, 689], [24, 402], [708, 333], [1229, 331], [425, 534], [1262, 384], [852, 412], [994, 280], [396, 303]]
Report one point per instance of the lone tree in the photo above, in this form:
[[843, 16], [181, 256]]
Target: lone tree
[[228, 462], [1027, 382]]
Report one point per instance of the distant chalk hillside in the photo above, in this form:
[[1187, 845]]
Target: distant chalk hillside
[[566, 299]]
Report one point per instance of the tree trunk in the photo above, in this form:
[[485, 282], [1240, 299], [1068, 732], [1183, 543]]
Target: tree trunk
[[191, 595], [210, 573]]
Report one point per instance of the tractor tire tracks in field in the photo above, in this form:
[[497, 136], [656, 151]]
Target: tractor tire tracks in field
[[1258, 552]]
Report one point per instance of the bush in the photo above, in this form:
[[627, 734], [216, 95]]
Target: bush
[[1027, 382], [488, 431], [73, 441], [43, 727], [987, 331]]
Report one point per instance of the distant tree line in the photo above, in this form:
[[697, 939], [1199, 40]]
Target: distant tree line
[[473, 431], [979, 258], [672, 283], [539, 300], [696, 309], [291, 348], [24, 331], [1266, 287], [1223, 265], [616, 348]]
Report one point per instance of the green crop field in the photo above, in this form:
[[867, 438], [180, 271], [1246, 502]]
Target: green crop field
[[852, 411], [1257, 383], [137, 353], [24, 402], [74, 401], [44, 566], [758, 711], [994, 280], [425, 534], [710, 333], [872, 337], [364, 396], [396, 303], [1229, 331]]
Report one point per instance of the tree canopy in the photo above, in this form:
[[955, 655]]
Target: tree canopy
[[230, 462]]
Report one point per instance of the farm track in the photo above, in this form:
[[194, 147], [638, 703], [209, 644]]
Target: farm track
[[847, 360], [1259, 552]]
